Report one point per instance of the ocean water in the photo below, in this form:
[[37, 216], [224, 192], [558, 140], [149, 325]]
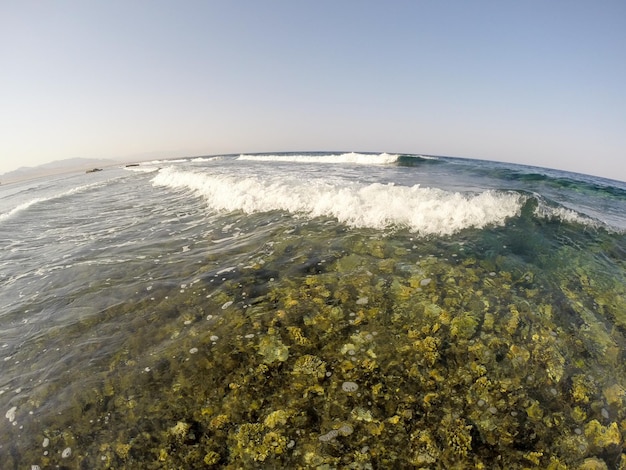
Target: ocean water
[[313, 310]]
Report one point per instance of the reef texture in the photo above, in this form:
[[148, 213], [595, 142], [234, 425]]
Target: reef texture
[[370, 353]]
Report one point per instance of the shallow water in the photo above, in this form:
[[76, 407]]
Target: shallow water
[[274, 314]]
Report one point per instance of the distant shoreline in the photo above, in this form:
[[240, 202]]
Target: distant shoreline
[[39, 172]]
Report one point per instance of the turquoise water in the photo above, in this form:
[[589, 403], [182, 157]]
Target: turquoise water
[[313, 311]]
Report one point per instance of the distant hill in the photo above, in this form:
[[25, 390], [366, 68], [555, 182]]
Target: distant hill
[[54, 168]]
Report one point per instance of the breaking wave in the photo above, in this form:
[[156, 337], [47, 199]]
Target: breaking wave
[[352, 157], [426, 211], [564, 214], [25, 205]]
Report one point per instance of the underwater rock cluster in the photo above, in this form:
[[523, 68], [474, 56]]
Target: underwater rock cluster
[[370, 354]]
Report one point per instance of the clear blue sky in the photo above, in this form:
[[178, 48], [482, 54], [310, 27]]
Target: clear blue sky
[[535, 82]]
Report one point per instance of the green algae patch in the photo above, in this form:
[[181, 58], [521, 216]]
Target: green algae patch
[[377, 354]]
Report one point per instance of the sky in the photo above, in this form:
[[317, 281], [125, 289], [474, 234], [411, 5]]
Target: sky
[[534, 82]]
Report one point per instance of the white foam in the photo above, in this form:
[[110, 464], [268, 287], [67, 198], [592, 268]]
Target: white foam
[[141, 169], [425, 211], [21, 207], [205, 159], [37, 200], [158, 162], [356, 158], [566, 215], [27, 204]]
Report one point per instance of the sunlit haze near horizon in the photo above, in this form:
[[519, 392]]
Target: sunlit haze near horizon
[[537, 83]]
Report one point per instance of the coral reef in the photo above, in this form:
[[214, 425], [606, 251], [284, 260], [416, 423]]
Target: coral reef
[[364, 353]]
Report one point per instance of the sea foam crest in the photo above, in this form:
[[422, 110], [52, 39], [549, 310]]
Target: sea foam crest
[[352, 157], [426, 211], [566, 215], [141, 169], [21, 207], [25, 205], [164, 161], [206, 159]]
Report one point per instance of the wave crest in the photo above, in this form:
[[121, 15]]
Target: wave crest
[[351, 157], [426, 211], [25, 205]]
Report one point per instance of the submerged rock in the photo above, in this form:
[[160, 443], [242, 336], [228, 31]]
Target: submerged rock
[[273, 350]]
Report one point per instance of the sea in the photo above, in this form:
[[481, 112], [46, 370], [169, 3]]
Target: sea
[[322, 310]]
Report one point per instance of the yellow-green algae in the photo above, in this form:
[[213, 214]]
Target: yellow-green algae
[[458, 363]]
